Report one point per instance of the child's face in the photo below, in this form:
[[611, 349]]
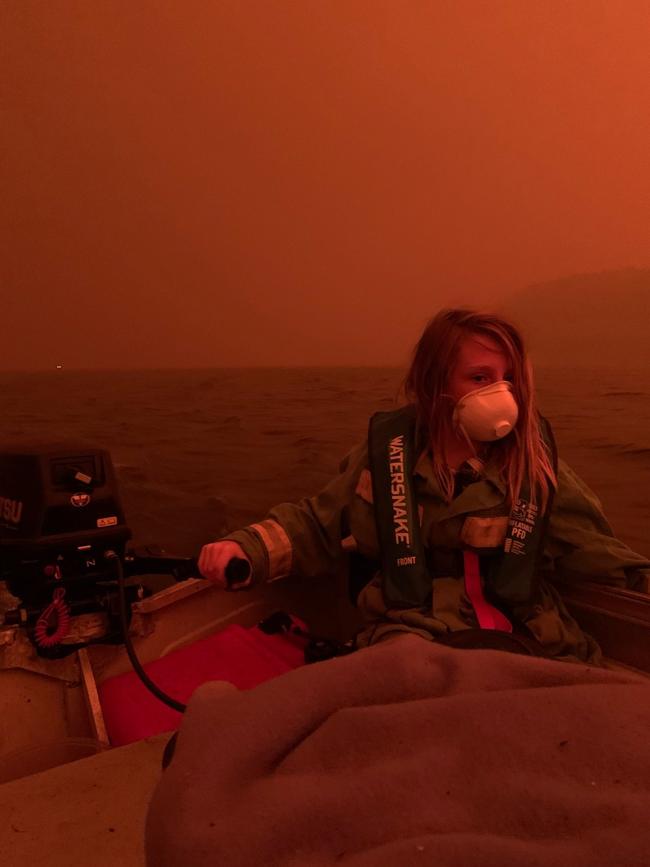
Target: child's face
[[481, 362]]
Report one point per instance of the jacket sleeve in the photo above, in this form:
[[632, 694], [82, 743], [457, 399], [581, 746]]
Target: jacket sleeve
[[304, 539], [582, 544]]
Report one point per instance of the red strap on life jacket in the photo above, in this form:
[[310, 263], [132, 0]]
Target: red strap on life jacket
[[488, 616]]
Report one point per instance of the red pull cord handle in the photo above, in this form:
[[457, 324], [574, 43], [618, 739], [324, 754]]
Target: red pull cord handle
[[58, 612]]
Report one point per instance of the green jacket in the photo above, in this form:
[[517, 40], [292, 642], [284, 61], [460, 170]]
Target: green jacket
[[310, 538]]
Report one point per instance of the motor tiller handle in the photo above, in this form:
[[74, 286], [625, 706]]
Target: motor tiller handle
[[237, 570]]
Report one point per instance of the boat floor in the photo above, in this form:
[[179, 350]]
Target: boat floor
[[90, 811], [47, 716]]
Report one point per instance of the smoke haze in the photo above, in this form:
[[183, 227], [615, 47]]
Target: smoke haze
[[307, 183]]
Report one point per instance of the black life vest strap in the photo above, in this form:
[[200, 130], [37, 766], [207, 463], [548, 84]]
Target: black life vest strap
[[391, 447], [517, 577]]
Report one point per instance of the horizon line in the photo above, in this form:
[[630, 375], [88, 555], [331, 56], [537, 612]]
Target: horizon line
[[55, 370]]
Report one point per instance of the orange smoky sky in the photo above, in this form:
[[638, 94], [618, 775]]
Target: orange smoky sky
[[305, 183]]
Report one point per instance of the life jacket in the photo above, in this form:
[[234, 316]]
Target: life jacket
[[406, 580]]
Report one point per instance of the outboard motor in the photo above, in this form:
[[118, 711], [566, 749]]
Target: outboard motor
[[60, 518], [64, 555]]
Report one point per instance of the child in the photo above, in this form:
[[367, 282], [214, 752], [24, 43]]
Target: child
[[499, 517]]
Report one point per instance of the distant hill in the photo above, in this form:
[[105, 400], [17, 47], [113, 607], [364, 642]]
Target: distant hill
[[586, 320]]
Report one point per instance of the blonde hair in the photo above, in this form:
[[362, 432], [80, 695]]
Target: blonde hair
[[424, 386]]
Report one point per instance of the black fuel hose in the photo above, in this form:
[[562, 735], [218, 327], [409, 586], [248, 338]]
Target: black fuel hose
[[237, 570], [135, 662]]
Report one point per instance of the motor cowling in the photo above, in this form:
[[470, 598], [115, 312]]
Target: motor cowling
[[59, 511]]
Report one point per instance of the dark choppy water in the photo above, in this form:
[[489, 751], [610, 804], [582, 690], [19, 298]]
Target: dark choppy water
[[200, 452]]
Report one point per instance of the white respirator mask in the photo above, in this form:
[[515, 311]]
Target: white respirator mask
[[488, 413]]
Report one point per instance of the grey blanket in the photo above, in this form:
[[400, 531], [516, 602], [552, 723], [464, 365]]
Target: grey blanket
[[411, 753]]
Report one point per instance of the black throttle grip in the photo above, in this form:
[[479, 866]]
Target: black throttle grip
[[237, 570]]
